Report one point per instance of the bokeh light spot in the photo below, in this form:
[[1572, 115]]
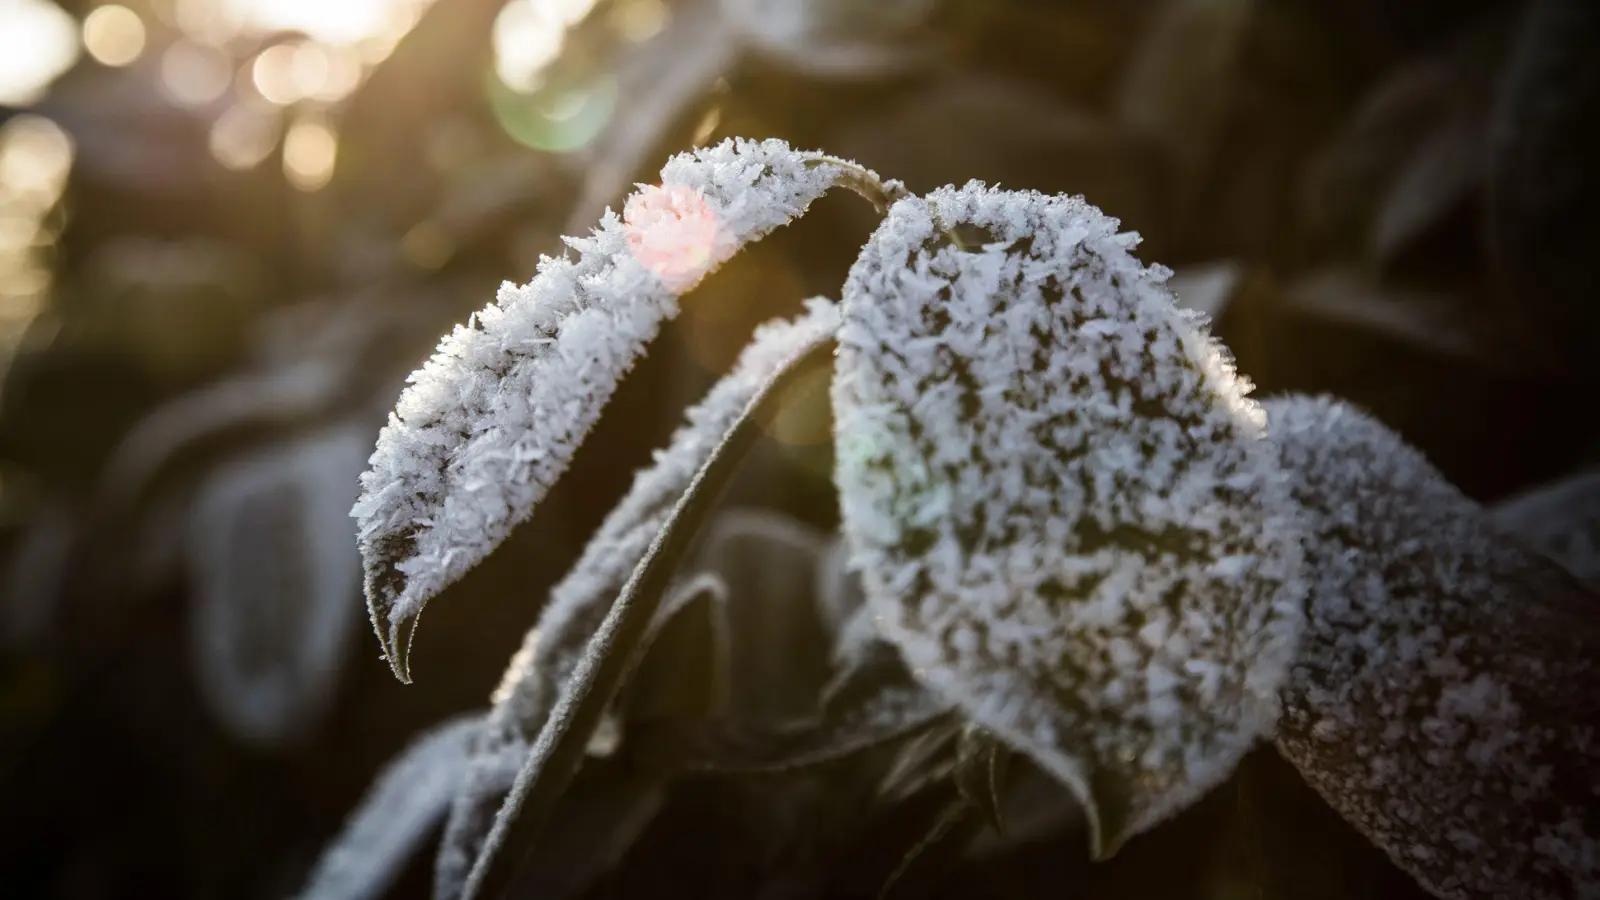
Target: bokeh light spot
[[309, 152], [38, 42], [557, 117], [244, 135], [113, 35], [194, 75]]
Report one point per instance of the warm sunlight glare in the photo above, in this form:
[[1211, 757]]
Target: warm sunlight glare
[[113, 35], [309, 151], [38, 41]]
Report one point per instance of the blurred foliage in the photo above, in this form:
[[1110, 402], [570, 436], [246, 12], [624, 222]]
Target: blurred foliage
[[220, 258]]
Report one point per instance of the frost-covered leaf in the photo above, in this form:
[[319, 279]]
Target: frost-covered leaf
[[1560, 520], [1446, 695], [560, 656], [403, 805], [577, 605], [491, 421], [1059, 499], [276, 577]]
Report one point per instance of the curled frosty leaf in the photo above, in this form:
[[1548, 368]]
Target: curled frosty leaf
[[492, 420], [1445, 698], [1060, 501]]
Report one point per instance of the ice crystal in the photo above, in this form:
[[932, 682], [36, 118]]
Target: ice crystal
[[1445, 699], [491, 421], [1058, 495]]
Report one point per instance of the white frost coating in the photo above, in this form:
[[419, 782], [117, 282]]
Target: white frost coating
[[579, 603], [1057, 493], [488, 424], [1446, 696], [399, 810]]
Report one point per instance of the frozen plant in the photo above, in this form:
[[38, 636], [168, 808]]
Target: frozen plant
[[1071, 534]]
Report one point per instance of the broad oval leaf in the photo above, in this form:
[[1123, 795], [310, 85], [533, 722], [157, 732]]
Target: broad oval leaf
[[1059, 498], [1446, 697], [492, 420]]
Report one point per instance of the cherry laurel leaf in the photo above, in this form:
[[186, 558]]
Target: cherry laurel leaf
[[581, 600], [1446, 698], [1060, 501], [492, 420]]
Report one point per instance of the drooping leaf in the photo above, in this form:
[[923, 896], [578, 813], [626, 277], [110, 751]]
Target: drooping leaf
[[399, 810], [1060, 501], [276, 578], [1446, 695], [1561, 520], [491, 421]]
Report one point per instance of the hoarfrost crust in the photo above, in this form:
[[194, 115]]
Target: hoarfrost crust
[[552, 649], [1059, 498], [493, 418], [1446, 699]]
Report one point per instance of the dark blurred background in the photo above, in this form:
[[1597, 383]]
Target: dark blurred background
[[230, 228]]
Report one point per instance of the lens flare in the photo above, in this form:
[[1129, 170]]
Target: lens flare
[[673, 232]]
